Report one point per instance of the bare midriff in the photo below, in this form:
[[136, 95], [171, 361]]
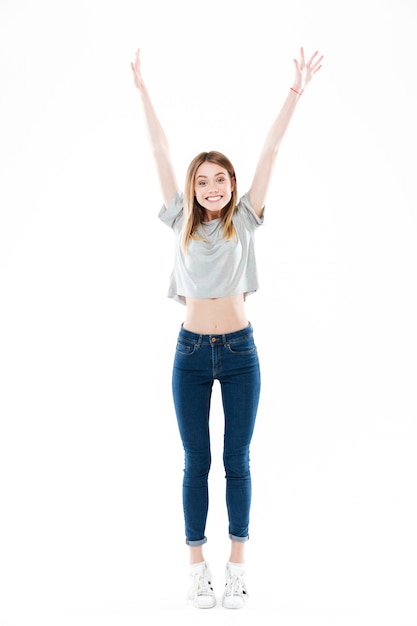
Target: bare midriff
[[215, 316]]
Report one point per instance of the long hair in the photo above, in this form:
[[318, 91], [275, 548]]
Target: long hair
[[193, 211]]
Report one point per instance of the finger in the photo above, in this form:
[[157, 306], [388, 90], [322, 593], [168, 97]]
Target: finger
[[317, 64], [312, 57], [137, 60], [302, 56]]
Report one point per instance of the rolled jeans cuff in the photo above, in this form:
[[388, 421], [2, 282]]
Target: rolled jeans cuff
[[195, 544], [240, 539]]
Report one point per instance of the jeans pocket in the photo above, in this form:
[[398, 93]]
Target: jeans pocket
[[246, 345], [185, 348]]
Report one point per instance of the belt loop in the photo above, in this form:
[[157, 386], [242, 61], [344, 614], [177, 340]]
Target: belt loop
[[224, 339], [200, 339]]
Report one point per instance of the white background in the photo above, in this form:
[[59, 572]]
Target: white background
[[91, 528]]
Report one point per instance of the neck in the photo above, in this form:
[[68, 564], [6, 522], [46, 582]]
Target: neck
[[211, 215]]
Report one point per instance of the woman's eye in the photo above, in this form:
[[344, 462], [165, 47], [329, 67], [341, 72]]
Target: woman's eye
[[202, 183], [220, 180]]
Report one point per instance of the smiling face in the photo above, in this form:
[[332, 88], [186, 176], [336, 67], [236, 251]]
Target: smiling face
[[213, 189]]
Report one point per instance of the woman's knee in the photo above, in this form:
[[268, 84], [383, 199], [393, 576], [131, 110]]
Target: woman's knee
[[197, 463], [236, 463]]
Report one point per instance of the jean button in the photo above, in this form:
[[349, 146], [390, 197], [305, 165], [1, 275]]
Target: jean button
[[214, 339]]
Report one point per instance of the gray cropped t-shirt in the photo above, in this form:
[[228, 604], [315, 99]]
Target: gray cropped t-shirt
[[213, 267]]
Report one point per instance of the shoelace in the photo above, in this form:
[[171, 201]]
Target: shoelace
[[201, 586], [235, 586]]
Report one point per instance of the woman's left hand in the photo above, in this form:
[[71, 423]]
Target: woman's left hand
[[304, 71]]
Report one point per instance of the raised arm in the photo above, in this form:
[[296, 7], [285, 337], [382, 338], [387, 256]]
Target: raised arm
[[157, 136], [304, 72]]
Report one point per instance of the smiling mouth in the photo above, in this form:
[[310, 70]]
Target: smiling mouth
[[213, 198]]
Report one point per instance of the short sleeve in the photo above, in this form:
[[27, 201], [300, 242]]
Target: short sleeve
[[246, 212], [172, 214]]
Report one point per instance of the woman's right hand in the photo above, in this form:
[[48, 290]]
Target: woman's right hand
[[157, 136], [137, 77]]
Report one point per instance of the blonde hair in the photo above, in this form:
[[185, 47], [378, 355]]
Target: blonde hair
[[193, 211]]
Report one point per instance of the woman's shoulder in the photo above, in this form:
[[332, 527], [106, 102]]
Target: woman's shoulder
[[245, 212], [171, 214]]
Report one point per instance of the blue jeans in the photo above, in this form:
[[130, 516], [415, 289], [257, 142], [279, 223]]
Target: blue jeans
[[231, 359]]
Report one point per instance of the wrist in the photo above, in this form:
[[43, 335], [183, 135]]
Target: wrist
[[297, 90]]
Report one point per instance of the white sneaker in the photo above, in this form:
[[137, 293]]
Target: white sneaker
[[201, 593], [235, 592]]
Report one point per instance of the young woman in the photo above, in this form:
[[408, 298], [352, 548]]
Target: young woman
[[214, 271]]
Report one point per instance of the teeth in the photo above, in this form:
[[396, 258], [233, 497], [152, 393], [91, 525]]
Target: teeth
[[214, 198]]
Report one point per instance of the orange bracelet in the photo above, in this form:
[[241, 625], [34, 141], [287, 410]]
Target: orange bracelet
[[300, 93]]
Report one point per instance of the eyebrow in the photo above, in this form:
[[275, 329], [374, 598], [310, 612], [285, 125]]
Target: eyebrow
[[218, 174]]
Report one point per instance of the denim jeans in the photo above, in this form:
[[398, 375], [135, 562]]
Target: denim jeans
[[231, 359]]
